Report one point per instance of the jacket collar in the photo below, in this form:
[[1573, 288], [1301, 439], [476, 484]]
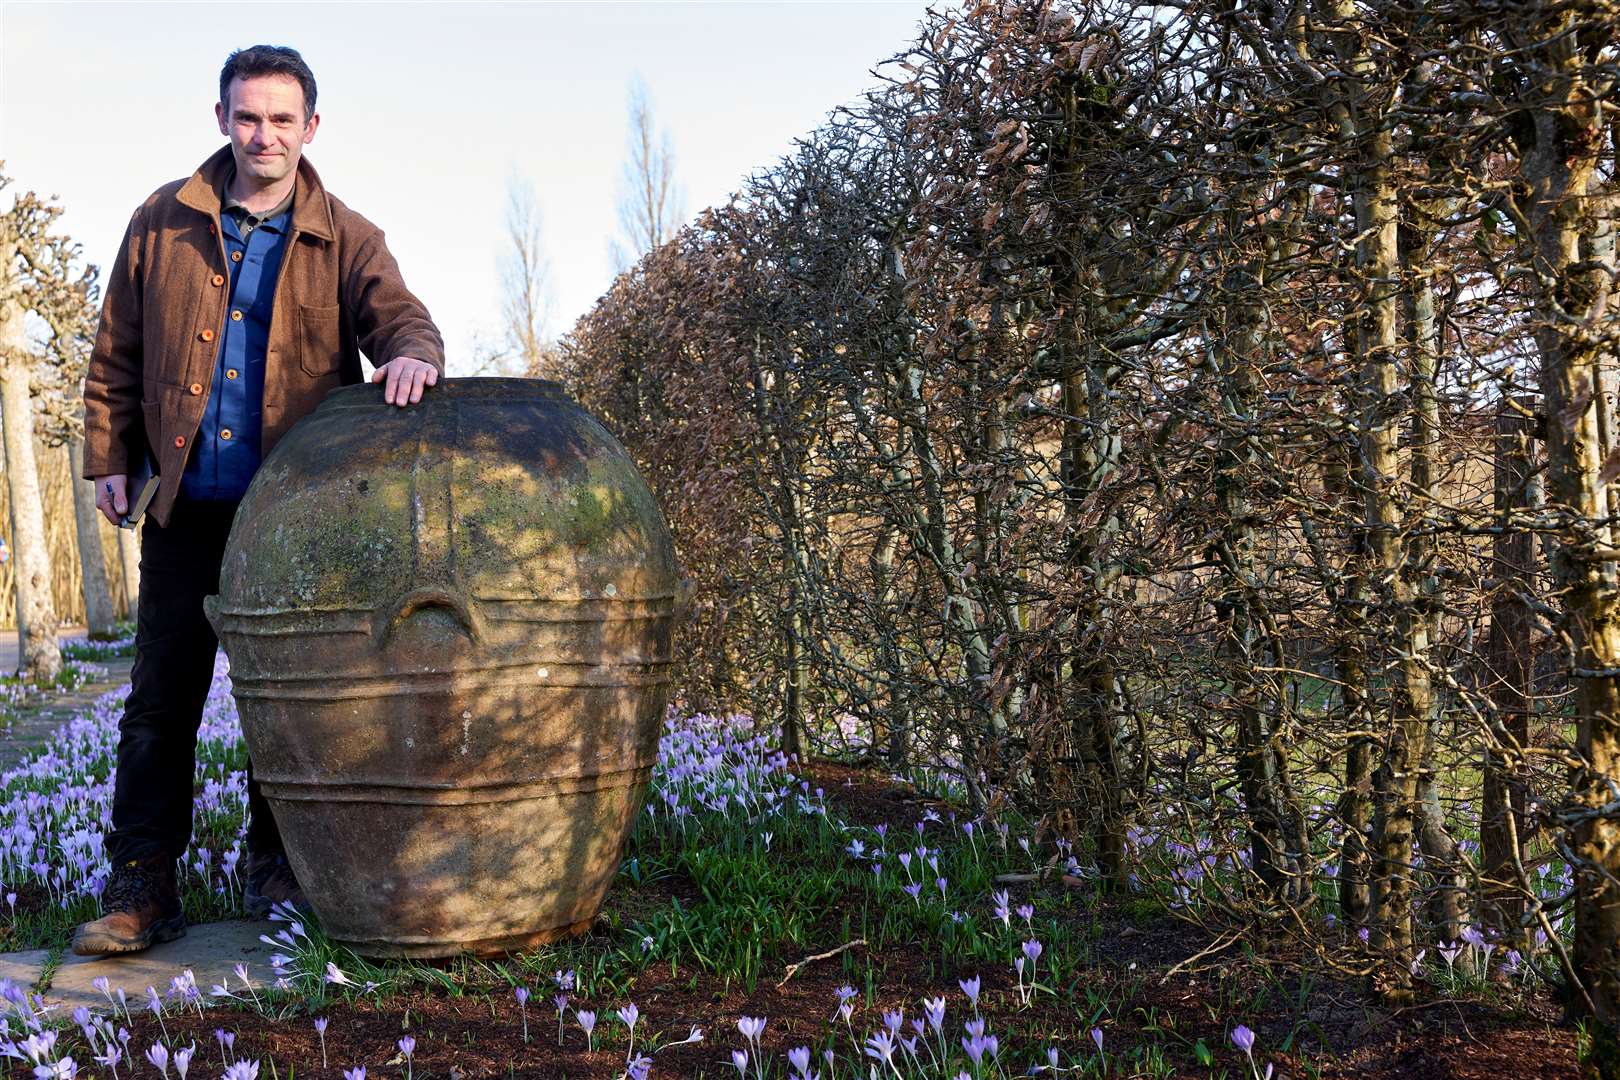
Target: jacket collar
[[312, 213]]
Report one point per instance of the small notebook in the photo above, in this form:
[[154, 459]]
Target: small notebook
[[143, 484]]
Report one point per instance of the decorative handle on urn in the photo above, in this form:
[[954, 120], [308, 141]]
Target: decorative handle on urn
[[390, 619]]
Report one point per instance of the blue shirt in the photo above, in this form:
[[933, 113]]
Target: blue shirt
[[226, 452]]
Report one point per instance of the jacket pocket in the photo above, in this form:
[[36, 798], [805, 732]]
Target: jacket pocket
[[319, 352]]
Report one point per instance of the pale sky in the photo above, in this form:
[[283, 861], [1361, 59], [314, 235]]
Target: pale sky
[[426, 109]]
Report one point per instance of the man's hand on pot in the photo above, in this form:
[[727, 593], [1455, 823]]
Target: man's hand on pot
[[406, 376], [112, 497]]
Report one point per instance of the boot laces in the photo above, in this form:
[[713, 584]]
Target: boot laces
[[132, 886]]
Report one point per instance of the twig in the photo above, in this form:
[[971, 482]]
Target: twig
[[1215, 948], [793, 969]]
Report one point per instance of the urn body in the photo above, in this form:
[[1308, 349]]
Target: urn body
[[449, 628]]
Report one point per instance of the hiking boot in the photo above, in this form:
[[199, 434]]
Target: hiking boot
[[142, 903], [270, 881]]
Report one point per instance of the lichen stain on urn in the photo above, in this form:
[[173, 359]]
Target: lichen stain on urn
[[449, 628]]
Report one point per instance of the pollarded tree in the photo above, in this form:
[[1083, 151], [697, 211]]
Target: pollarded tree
[[57, 386], [38, 276]]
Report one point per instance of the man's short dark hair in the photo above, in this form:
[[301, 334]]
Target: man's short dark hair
[[259, 60]]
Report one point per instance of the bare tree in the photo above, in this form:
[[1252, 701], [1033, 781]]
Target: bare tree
[[525, 290], [36, 275], [650, 202], [57, 387]]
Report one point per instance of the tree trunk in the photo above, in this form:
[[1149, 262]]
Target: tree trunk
[[1569, 216], [129, 557], [1510, 680], [1354, 808], [40, 657], [1253, 649], [98, 601], [1091, 454], [1443, 862], [798, 670], [1396, 778]]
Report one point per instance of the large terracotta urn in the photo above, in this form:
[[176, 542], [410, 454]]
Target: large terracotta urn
[[449, 634]]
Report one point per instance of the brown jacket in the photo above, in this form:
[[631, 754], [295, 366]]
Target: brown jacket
[[339, 293]]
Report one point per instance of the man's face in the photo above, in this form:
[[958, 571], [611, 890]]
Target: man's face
[[265, 124]]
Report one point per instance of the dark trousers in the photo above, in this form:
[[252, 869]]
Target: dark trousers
[[174, 664]]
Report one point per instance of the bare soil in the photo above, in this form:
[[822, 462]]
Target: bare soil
[[1336, 1027]]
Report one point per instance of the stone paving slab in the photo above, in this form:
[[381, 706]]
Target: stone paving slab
[[23, 968], [210, 952]]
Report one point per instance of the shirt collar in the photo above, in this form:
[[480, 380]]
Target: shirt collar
[[247, 219]]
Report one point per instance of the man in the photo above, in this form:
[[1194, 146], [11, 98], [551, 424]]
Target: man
[[240, 297]]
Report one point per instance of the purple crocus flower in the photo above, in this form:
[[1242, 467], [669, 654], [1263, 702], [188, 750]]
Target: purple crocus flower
[[1243, 1039], [630, 1014], [976, 1047], [880, 1045]]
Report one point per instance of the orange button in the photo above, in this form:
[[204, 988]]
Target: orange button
[[207, 335], [236, 316], [179, 440], [236, 256], [224, 432], [219, 279], [196, 388], [230, 373]]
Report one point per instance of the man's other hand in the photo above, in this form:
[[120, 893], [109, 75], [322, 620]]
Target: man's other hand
[[406, 376], [112, 497]]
